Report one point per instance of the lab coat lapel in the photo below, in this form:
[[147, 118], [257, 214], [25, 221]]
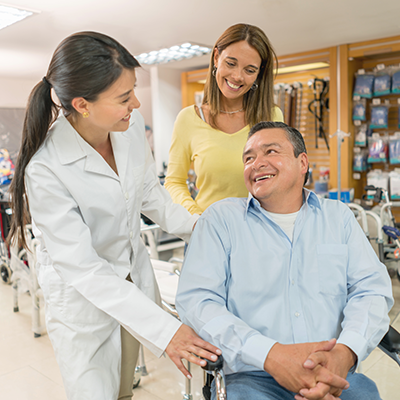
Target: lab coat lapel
[[96, 164], [70, 147], [121, 147]]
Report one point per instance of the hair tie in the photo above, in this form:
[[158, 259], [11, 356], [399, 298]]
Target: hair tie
[[46, 81]]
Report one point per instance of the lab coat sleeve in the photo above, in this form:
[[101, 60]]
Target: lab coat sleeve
[[159, 207], [68, 241], [202, 298], [179, 165], [369, 291]]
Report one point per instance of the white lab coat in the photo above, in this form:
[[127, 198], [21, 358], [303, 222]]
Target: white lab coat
[[87, 219]]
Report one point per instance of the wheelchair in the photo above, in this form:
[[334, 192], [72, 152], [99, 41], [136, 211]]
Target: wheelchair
[[390, 345]]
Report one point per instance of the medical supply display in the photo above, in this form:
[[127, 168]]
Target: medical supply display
[[346, 195], [360, 157], [376, 122], [364, 84], [382, 85], [398, 114], [377, 178], [359, 109], [6, 167], [377, 148], [394, 181], [394, 148], [362, 132], [396, 82], [379, 116], [321, 185]]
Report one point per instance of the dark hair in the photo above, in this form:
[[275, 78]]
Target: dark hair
[[84, 64], [258, 103], [293, 135]]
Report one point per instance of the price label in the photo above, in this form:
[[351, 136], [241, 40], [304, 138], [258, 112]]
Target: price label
[[380, 67], [356, 97], [357, 150], [357, 122], [357, 176], [361, 72], [376, 102]]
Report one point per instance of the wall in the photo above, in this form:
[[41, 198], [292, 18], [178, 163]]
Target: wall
[[166, 104], [144, 96], [158, 90], [14, 95], [14, 92]]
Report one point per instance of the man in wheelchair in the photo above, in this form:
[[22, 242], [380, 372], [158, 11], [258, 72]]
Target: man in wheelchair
[[284, 283]]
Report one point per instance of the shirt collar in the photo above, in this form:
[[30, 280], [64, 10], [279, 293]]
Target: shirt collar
[[309, 197]]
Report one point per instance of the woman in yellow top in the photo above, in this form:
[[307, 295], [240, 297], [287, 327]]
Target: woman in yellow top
[[238, 94]]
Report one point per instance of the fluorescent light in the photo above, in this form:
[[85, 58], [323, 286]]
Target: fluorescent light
[[174, 53], [303, 67], [11, 15]]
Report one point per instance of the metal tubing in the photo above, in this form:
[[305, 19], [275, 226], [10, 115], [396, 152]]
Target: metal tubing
[[339, 138], [188, 394], [363, 216]]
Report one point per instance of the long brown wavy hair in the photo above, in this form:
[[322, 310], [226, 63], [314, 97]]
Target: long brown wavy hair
[[258, 104]]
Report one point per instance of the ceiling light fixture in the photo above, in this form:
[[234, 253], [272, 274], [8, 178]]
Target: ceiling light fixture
[[303, 67], [173, 53], [11, 15]]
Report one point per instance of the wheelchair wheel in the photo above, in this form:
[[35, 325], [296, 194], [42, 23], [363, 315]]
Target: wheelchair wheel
[[5, 273]]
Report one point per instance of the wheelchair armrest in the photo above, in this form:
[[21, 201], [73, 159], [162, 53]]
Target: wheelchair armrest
[[391, 341], [390, 344]]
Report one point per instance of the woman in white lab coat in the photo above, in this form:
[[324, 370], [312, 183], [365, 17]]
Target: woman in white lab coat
[[85, 176]]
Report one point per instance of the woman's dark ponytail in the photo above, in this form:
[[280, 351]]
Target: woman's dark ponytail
[[40, 114]]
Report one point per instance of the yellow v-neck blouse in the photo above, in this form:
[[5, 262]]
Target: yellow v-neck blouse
[[217, 159]]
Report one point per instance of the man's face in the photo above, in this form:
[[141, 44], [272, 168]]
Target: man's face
[[273, 175]]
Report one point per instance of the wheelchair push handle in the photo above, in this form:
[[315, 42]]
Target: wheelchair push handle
[[213, 365]]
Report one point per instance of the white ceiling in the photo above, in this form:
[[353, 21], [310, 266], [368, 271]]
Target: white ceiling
[[144, 25]]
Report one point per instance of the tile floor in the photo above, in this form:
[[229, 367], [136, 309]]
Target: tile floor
[[28, 370]]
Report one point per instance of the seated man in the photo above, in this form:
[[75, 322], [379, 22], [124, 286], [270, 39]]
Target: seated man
[[272, 278]]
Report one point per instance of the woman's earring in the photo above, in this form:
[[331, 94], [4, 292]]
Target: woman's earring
[[254, 86], [214, 71], [85, 114]]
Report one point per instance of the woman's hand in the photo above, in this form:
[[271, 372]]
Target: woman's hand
[[187, 344]]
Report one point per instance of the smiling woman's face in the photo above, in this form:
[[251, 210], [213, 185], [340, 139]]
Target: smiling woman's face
[[237, 69], [111, 111]]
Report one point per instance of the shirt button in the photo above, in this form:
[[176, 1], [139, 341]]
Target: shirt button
[[292, 281], [127, 195], [297, 314], [131, 234]]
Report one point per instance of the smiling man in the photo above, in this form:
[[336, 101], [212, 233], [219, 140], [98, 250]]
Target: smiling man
[[272, 278]]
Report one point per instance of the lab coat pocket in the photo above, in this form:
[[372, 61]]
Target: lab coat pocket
[[332, 268], [77, 309], [66, 303]]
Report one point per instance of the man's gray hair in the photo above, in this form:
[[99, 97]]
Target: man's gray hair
[[293, 135]]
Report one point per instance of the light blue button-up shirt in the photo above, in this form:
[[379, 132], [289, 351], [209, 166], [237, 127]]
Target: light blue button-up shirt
[[245, 285]]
